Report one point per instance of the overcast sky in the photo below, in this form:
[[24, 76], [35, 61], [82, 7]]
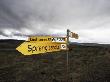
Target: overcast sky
[[89, 18]]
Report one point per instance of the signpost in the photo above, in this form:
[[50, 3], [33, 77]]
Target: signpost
[[44, 44], [72, 35]]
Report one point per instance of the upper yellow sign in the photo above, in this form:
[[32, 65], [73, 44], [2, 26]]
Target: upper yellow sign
[[47, 39], [28, 48]]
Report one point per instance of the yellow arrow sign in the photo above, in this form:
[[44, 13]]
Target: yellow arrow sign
[[29, 48]]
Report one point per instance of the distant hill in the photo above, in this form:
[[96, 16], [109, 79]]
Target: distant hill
[[9, 43], [13, 43], [89, 44]]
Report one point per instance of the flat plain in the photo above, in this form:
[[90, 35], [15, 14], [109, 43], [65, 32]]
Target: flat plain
[[87, 63]]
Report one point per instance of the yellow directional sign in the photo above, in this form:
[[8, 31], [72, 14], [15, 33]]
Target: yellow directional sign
[[29, 48], [47, 39]]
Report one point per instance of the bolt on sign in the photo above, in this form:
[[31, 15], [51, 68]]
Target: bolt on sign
[[29, 48]]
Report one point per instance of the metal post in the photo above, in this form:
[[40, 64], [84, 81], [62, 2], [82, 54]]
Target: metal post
[[67, 52]]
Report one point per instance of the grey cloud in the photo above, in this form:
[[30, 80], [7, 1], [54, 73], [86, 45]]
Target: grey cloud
[[43, 15], [8, 19]]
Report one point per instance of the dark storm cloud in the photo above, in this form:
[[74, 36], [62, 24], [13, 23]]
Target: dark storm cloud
[[8, 19], [44, 15]]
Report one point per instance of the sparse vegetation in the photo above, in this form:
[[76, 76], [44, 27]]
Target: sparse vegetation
[[86, 64]]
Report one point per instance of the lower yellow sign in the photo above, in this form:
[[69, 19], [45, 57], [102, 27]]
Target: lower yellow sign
[[29, 48]]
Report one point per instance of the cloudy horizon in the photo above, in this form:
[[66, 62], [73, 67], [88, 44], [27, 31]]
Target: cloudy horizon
[[89, 18]]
